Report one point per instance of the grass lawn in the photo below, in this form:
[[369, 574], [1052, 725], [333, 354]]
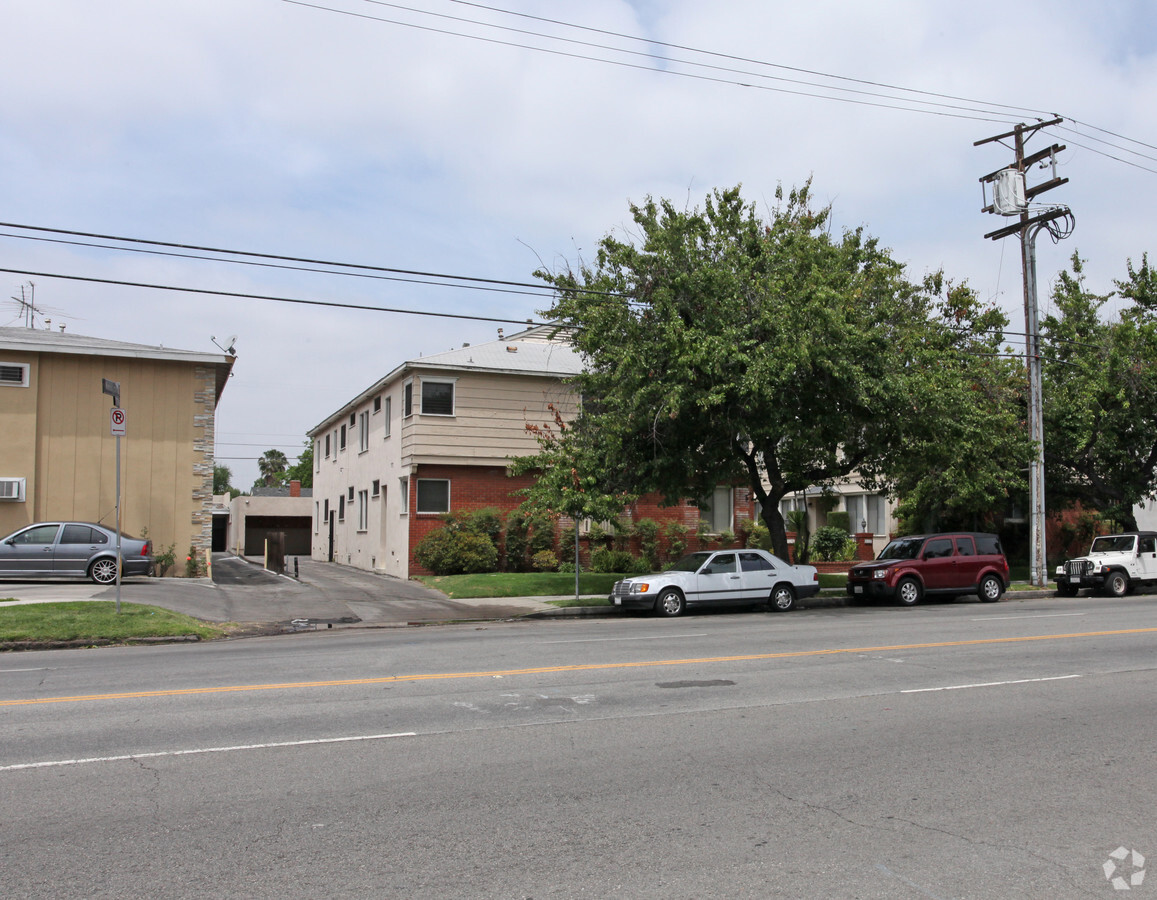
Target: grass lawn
[[96, 620], [546, 584], [520, 584]]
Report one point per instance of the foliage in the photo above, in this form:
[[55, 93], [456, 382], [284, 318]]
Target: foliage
[[517, 531], [222, 475], [675, 534], [721, 346], [797, 522], [1100, 395], [606, 560], [163, 559], [831, 543], [648, 533], [568, 475], [726, 537], [454, 551], [545, 561], [758, 536], [541, 533], [840, 519], [193, 567], [271, 464], [302, 470]]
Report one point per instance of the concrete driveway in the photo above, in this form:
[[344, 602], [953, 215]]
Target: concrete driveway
[[325, 594]]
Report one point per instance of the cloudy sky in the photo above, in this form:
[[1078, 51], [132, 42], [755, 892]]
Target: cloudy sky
[[483, 141]]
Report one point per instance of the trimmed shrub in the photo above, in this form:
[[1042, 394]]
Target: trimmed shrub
[[604, 560], [451, 552], [676, 535], [545, 561], [831, 543], [648, 532]]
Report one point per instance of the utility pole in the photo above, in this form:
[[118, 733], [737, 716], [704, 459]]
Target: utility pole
[[1011, 196]]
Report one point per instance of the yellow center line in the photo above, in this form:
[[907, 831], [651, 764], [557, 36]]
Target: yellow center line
[[588, 667]]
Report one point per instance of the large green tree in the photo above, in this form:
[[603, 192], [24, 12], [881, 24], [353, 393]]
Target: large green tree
[[720, 347], [1100, 394]]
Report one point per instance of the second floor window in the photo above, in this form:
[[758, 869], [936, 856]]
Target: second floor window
[[363, 431], [437, 398]]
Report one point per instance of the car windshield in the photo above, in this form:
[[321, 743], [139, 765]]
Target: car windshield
[[690, 563], [1116, 543], [903, 548]]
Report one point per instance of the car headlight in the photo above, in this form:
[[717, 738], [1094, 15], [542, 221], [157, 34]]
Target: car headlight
[[880, 573], [641, 588]]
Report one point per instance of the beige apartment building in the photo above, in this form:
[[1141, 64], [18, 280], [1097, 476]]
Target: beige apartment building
[[57, 451]]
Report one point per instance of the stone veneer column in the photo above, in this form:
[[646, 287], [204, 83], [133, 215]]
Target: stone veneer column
[[204, 438]]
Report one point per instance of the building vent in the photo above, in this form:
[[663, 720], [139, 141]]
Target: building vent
[[14, 374], [12, 489]]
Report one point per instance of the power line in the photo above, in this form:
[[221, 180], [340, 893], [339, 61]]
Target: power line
[[988, 117], [273, 256], [329, 303], [985, 110]]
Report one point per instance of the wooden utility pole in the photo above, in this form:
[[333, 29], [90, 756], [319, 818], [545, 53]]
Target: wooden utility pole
[[1011, 196]]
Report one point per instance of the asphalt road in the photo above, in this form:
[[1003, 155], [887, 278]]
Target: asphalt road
[[951, 750]]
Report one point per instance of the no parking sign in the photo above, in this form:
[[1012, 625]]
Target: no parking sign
[[117, 421]]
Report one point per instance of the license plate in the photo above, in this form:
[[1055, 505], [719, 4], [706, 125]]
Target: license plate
[[857, 589], [618, 601], [1075, 579]]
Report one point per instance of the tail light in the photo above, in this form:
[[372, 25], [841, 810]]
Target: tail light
[[145, 549]]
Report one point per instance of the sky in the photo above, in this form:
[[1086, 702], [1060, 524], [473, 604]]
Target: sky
[[485, 141]]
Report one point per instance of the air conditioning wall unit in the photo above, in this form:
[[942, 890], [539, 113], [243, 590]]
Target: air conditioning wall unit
[[12, 489]]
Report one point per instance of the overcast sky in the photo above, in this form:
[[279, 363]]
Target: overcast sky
[[382, 134]]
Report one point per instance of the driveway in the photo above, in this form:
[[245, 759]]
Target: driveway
[[325, 594]]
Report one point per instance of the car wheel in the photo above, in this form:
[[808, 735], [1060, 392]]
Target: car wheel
[[670, 603], [103, 571], [1067, 590], [1117, 584], [909, 592], [782, 598], [990, 589]]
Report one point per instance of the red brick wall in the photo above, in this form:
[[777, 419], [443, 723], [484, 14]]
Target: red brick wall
[[489, 487]]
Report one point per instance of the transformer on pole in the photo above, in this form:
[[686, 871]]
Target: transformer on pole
[[1010, 197]]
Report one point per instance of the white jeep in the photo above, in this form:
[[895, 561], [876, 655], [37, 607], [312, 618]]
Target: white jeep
[[1116, 564]]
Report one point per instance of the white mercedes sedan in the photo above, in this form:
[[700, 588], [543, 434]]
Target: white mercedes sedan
[[719, 578]]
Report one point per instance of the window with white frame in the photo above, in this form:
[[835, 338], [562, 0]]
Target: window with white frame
[[363, 432], [437, 397], [433, 495], [351, 493], [363, 510], [408, 399], [376, 488], [316, 516], [716, 510], [404, 495], [13, 374], [378, 403], [327, 446], [341, 440], [386, 417], [341, 508]]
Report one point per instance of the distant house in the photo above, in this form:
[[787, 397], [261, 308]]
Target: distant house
[[57, 453], [436, 435]]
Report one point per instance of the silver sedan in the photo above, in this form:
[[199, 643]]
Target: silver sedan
[[72, 550]]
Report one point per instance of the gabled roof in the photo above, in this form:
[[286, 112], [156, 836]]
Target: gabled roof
[[525, 353], [36, 340]]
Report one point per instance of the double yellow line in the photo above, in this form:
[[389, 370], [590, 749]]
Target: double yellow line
[[546, 670]]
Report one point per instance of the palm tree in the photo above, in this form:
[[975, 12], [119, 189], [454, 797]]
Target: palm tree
[[271, 464]]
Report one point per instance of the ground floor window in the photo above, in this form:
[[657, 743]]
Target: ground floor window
[[363, 510], [433, 495]]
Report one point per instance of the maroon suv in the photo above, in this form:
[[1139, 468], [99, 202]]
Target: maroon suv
[[926, 564]]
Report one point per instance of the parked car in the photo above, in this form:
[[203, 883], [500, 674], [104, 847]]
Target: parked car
[[719, 578], [1116, 564], [72, 550], [911, 568]]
